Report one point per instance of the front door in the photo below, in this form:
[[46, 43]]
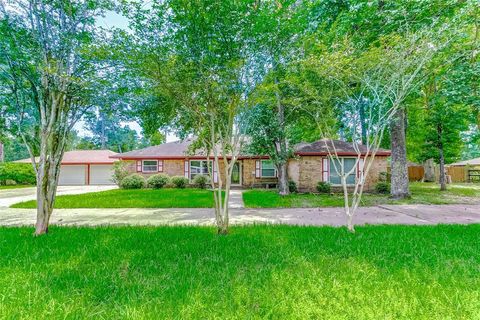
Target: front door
[[237, 174]]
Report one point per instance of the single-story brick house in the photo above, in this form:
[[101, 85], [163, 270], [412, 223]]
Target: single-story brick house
[[310, 164], [85, 167]]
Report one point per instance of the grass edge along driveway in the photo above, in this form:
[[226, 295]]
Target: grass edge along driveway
[[137, 198], [275, 272]]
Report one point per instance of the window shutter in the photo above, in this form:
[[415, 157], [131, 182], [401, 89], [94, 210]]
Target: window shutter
[[258, 173], [186, 167], [325, 170], [215, 173], [160, 165], [139, 166]]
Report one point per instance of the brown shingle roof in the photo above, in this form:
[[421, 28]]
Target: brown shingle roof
[[85, 156], [321, 147], [471, 162], [176, 149]]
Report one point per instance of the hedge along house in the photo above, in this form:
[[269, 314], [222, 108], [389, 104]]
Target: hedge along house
[[311, 164], [85, 167]]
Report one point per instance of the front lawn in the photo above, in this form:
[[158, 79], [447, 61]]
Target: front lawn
[[422, 193], [272, 272], [140, 198], [16, 186]]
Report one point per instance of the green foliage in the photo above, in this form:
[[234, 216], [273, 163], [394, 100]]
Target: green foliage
[[324, 187], [201, 181], [21, 173], [292, 186], [382, 187], [179, 182], [133, 181], [158, 181], [120, 171]]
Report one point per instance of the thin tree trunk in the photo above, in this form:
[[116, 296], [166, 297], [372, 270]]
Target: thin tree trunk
[[443, 177], [362, 123], [399, 173], [282, 148]]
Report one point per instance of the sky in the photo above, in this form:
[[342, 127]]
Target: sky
[[111, 20]]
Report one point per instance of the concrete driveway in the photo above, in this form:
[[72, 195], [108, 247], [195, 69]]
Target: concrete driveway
[[11, 196], [404, 214]]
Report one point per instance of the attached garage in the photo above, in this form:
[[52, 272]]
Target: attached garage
[[101, 174], [73, 175], [85, 167]]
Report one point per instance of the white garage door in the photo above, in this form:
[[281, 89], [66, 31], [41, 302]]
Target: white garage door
[[101, 174], [72, 175]]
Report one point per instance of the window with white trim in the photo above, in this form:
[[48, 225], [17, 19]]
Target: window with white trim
[[198, 167], [149, 165], [348, 164], [268, 169]]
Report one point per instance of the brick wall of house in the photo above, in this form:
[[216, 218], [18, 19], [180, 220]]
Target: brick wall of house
[[174, 167], [310, 173], [379, 165], [306, 171]]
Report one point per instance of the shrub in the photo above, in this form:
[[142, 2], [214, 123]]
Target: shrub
[[119, 172], [158, 181], [292, 186], [21, 173], [201, 181], [179, 182], [324, 187], [133, 181], [382, 187]]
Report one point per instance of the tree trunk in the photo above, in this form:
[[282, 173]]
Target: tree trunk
[[443, 178], [350, 225], [282, 148], [399, 172], [363, 125], [429, 167], [47, 178], [282, 179]]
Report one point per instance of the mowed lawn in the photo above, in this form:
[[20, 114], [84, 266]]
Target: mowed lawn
[[140, 198], [272, 272], [422, 193], [15, 186]]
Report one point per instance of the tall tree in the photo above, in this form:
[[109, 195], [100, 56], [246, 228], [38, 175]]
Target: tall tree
[[49, 75]]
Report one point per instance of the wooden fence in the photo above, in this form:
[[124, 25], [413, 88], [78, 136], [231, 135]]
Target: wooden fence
[[416, 173], [458, 174]]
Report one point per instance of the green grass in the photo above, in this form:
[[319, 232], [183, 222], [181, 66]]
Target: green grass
[[15, 186], [142, 198], [422, 193], [261, 272]]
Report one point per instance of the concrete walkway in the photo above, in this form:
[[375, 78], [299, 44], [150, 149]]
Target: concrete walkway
[[404, 214], [236, 199]]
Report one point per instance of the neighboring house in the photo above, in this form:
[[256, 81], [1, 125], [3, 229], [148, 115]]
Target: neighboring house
[[474, 163], [465, 171], [310, 164], [85, 167]]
